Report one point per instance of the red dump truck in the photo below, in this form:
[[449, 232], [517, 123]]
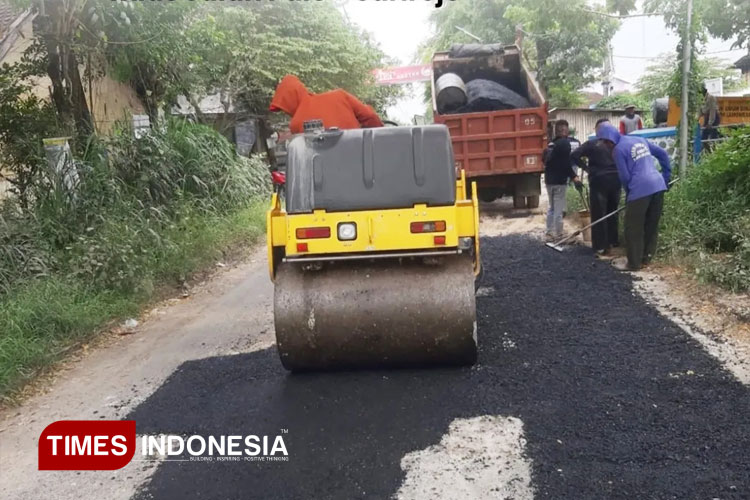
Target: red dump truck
[[499, 149]]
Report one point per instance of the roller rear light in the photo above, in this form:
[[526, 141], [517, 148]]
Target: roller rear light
[[428, 227], [311, 233]]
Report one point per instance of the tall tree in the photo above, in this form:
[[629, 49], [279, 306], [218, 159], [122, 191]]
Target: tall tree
[[566, 41], [659, 75], [243, 51], [729, 20], [57, 28], [195, 48]]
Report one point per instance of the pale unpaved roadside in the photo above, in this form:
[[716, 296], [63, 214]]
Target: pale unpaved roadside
[[717, 319], [481, 457], [230, 313]]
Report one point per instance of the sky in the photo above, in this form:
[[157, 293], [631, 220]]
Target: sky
[[400, 25]]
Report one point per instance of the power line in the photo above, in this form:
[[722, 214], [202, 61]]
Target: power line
[[660, 56], [624, 16]]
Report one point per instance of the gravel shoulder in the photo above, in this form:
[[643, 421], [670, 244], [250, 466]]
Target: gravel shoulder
[[231, 312], [718, 319]]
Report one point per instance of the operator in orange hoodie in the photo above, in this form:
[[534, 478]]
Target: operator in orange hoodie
[[336, 108]]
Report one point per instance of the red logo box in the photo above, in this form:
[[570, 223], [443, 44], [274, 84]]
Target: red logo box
[[87, 445]]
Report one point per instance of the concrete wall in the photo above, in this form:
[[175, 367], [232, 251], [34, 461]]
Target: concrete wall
[[108, 99]]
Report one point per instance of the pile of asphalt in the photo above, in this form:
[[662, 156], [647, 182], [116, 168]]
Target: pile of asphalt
[[616, 401]]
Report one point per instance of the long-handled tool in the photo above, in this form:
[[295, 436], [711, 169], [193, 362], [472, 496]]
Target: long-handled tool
[[584, 200], [557, 245], [584, 197]]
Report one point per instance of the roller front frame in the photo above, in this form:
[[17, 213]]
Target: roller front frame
[[378, 231]]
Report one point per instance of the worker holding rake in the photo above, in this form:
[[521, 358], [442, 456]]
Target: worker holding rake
[[644, 188], [605, 190]]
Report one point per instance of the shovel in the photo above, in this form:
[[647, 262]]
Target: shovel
[[584, 199], [558, 245]]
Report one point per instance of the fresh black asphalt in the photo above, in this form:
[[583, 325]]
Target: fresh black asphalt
[[616, 401]]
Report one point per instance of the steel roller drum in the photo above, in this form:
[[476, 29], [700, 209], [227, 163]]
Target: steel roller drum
[[394, 313]]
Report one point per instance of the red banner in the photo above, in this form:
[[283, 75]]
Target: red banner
[[403, 74], [87, 445]]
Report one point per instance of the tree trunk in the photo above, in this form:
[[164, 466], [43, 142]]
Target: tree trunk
[[62, 68]]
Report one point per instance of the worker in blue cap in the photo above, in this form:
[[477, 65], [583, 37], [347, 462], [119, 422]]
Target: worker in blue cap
[[644, 189]]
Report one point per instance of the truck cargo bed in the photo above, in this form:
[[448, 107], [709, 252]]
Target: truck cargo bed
[[496, 142], [500, 150]]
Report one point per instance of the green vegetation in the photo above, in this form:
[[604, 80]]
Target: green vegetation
[[659, 75], [619, 101], [145, 213], [564, 40], [706, 222], [566, 96], [194, 49], [244, 49]]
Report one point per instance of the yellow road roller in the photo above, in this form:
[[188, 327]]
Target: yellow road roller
[[375, 252]]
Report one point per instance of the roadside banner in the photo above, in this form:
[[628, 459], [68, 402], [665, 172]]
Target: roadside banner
[[402, 74], [733, 110]]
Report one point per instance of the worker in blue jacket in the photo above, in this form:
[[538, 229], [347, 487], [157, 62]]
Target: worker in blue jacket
[[644, 189]]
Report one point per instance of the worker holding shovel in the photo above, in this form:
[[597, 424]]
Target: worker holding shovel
[[644, 188]]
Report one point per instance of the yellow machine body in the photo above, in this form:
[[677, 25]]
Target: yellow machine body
[[378, 231]]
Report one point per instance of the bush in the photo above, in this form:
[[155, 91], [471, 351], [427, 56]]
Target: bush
[[24, 120], [707, 216], [144, 212]]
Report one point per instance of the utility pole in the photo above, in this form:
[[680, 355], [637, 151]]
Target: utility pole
[[686, 47], [609, 72]]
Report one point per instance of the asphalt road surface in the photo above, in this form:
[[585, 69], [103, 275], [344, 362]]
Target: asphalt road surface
[[605, 397]]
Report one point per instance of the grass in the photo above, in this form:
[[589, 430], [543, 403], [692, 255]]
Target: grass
[[44, 319], [706, 221], [202, 240]]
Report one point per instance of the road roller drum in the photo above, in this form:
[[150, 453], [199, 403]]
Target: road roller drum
[[389, 312]]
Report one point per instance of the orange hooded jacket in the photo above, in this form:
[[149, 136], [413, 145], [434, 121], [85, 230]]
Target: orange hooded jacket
[[336, 108]]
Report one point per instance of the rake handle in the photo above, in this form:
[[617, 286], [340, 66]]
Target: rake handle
[[597, 221]]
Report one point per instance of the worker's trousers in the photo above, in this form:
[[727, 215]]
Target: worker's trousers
[[556, 201], [605, 198], [642, 229]]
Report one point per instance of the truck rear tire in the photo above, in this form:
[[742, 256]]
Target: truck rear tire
[[519, 201], [532, 201]]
